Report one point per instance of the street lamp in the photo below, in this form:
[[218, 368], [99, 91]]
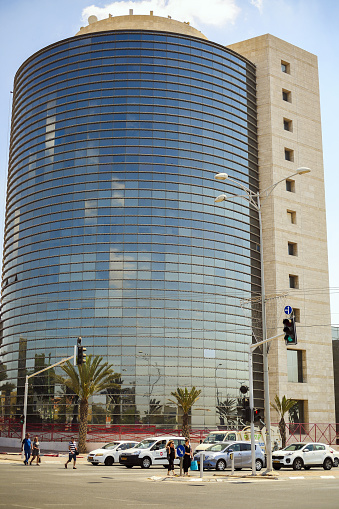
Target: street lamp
[[255, 199]]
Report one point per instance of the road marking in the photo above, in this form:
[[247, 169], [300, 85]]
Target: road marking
[[327, 477], [301, 477]]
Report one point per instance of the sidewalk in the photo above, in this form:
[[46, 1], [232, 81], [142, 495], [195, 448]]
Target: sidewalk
[[16, 456]]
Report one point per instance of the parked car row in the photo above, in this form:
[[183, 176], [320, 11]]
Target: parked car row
[[152, 451]]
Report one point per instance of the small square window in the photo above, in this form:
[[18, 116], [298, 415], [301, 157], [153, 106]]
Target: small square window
[[292, 249], [292, 216], [290, 186], [295, 366], [287, 124], [287, 96], [296, 313], [289, 155], [294, 281], [285, 67]]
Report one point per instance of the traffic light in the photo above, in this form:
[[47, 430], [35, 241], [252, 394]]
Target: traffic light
[[256, 415], [81, 356], [243, 389], [290, 331], [246, 411], [22, 419]]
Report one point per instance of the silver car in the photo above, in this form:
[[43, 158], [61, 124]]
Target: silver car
[[217, 456]]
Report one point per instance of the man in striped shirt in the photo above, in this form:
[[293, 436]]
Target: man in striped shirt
[[72, 448]]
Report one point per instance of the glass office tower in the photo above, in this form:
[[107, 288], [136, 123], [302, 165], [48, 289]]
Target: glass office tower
[[112, 233]]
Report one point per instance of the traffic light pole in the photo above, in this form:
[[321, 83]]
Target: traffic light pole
[[26, 391], [268, 444]]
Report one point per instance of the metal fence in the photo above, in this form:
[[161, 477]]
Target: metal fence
[[325, 433]]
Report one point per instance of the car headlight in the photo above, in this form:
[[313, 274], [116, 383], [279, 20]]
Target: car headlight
[[100, 454], [136, 453]]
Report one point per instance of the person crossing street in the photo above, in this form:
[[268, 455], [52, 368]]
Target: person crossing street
[[72, 453]]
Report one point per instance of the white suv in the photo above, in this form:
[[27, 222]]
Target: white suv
[[307, 455], [109, 453]]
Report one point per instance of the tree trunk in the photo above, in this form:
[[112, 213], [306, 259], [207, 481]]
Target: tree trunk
[[282, 430], [83, 425], [185, 428]]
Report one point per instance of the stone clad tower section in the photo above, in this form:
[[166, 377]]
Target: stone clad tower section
[[111, 229], [294, 222]]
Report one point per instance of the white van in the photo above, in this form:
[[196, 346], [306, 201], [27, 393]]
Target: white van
[[150, 451], [245, 434]]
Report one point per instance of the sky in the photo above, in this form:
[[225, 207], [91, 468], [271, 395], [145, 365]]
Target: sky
[[29, 25]]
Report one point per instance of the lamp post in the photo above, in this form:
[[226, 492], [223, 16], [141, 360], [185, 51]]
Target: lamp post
[[256, 200], [216, 383]]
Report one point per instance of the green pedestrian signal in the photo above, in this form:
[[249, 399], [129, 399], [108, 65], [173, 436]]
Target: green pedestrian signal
[[290, 331]]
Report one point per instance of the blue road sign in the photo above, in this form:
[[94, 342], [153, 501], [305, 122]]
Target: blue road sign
[[288, 310], [180, 451]]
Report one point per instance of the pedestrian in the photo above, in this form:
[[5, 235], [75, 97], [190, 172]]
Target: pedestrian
[[72, 453], [35, 451], [187, 457], [26, 446], [171, 455]]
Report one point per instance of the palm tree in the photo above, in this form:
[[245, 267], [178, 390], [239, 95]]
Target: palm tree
[[92, 377], [185, 400], [282, 407]]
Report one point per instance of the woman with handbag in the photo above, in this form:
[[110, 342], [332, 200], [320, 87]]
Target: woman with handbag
[[35, 451], [171, 455], [187, 457]]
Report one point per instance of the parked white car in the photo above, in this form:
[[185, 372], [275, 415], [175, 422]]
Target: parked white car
[[110, 453], [335, 455], [151, 451], [303, 455]]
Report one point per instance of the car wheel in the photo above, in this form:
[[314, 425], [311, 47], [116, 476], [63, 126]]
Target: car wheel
[[276, 467], [221, 465], [95, 464], [146, 462], [306, 467], [298, 464], [327, 464], [336, 462], [129, 466], [258, 465], [109, 461]]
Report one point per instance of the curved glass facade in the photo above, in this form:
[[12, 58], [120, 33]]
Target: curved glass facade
[[112, 233]]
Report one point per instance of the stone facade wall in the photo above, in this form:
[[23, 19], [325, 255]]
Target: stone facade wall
[[309, 230]]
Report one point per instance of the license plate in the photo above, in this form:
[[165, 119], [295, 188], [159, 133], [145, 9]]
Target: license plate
[[276, 461], [123, 457]]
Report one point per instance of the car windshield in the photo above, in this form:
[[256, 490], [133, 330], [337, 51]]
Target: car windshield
[[294, 447], [111, 445], [145, 444], [214, 437], [218, 447]]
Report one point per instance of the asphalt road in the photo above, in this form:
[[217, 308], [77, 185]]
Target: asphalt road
[[51, 486]]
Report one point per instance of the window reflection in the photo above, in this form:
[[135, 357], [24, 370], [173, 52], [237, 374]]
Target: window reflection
[[111, 230]]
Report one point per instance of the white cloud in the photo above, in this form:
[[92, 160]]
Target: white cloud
[[258, 4], [197, 12]]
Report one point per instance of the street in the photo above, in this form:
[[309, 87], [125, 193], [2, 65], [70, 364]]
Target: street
[[52, 486]]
